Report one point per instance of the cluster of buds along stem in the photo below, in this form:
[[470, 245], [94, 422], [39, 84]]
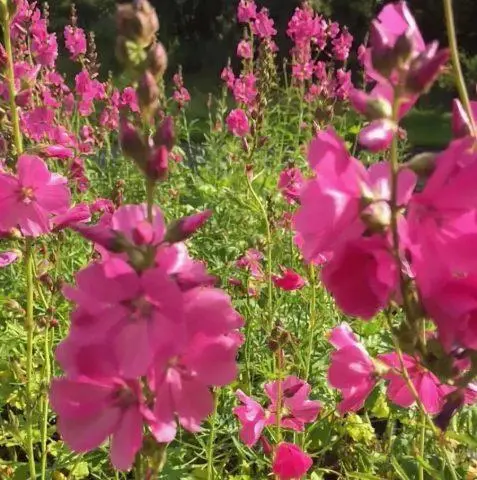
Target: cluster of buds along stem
[[138, 49]]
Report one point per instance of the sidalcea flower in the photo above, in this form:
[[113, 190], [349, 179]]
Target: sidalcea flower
[[204, 356], [337, 204], [461, 124], [428, 387], [247, 11], [263, 25], [31, 197], [290, 462], [75, 41], [97, 403], [251, 262], [374, 280], [290, 183], [351, 370], [289, 280], [137, 314], [7, 258], [244, 50], [297, 408], [237, 123], [252, 417]]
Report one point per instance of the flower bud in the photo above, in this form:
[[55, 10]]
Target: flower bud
[[133, 144], [3, 58], [138, 22], [165, 134], [373, 108], [185, 227], [378, 135], [422, 164], [425, 69], [157, 60], [148, 93], [158, 165]]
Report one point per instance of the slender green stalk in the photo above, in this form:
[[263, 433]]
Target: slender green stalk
[[269, 251], [138, 467], [44, 427], [29, 327], [312, 323], [150, 188], [17, 136], [278, 413], [210, 445], [29, 321], [459, 75]]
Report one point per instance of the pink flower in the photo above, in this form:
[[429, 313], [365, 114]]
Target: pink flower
[[28, 199], [251, 262], [7, 258], [351, 369], [247, 11], [378, 135], [374, 279], [58, 151], [244, 50], [342, 46], [75, 41], [135, 313], [237, 123], [181, 97], [461, 124], [129, 99], [263, 25], [99, 405], [228, 77], [202, 357], [428, 387], [290, 462], [298, 409], [78, 214], [43, 45], [332, 211], [252, 417], [245, 90], [290, 280]]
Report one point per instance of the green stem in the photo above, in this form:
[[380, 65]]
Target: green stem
[[312, 324], [29, 326], [44, 427], [278, 413], [210, 445], [138, 467], [29, 321], [459, 75], [17, 136], [269, 251], [150, 188]]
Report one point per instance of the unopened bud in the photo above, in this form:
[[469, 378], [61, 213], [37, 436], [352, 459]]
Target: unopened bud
[[373, 108], [422, 164], [158, 165], [138, 22], [425, 69], [148, 93], [185, 227], [3, 57], [157, 60], [133, 144], [165, 134]]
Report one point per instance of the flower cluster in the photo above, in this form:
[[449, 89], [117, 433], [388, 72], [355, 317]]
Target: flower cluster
[[289, 408]]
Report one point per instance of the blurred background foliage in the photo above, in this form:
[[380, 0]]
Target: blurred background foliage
[[200, 34]]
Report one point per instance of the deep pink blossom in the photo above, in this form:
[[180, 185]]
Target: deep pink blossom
[[129, 99], [373, 282], [342, 45], [252, 417], [289, 280], [290, 462], [237, 123], [28, 199], [75, 41], [428, 387], [244, 50], [96, 403], [251, 262], [245, 89], [247, 11], [263, 25], [351, 369], [297, 408]]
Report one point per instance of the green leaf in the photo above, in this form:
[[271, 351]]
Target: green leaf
[[80, 471], [399, 470]]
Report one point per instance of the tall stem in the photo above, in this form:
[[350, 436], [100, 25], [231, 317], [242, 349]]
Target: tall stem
[[210, 445], [269, 251], [29, 326], [44, 427], [312, 323], [29, 321], [150, 188], [459, 76]]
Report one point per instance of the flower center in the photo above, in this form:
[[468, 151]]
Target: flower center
[[27, 195], [140, 309], [124, 397]]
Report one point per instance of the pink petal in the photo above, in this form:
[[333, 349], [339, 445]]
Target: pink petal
[[127, 439]]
